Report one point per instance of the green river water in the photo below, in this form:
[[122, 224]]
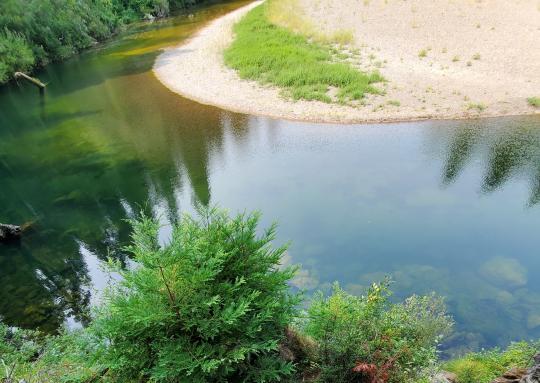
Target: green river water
[[447, 206]]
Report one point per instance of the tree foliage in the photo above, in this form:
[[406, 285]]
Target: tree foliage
[[212, 305], [15, 54], [36, 32]]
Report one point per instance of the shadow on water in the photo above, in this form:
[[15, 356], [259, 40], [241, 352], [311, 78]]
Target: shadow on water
[[358, 202]]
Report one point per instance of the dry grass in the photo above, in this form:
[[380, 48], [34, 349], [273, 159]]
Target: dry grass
[[289, 14]]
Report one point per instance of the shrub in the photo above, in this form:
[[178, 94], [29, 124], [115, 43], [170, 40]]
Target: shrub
[[371, 338], [212, 305], [484, 366], [15, 54]]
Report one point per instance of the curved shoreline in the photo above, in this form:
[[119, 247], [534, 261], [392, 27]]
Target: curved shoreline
[[195, 70]]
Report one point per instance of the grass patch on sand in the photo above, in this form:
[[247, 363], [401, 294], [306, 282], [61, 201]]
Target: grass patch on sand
[[303, 68], [476, 106], [534, 101]]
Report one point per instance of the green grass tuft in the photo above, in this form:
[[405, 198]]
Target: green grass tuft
[[303, 69], [484, 366], [478, 106], [534, 101]]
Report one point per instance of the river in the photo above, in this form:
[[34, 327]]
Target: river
[[445, 206]]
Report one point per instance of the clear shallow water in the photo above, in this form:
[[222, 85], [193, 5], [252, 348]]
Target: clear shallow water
[[451, 207]]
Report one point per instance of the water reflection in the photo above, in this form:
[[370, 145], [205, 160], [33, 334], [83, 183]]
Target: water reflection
[[358, 202], [78, 178], [508, 154]]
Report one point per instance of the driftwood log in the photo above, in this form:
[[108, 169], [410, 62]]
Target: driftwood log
[[32, 80], [9, 232]]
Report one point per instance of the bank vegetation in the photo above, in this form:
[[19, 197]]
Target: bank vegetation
[[214, 304], [36, 32]]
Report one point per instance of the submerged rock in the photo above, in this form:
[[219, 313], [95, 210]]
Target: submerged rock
[[9, 232], [505, 271]]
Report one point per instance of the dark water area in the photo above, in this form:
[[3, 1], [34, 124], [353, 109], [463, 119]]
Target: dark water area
[[446, 206]]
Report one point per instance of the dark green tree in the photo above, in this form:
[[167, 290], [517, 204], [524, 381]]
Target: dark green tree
[[212, 305]]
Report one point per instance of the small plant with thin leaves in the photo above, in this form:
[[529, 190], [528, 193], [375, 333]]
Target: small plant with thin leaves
[[17, 347], [33, 357], [211, 305], [369, 339]]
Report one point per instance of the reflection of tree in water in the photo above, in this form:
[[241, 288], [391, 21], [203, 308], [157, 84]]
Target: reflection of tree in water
[[507, 152], [80, 176], [459, 152]]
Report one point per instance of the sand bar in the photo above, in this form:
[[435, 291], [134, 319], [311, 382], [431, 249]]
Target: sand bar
[[477, 53]]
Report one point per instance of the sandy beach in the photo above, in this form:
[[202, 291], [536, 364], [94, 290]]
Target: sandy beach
[[442, 60]]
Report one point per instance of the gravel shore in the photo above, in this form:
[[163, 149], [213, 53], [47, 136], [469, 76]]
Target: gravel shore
[[482, 58]]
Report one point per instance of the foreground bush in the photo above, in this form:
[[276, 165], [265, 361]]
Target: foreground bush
[[485, 366], [214, 305], [211, 306], [368, 339]]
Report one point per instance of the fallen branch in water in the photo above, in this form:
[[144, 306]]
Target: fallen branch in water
[[33, 80]]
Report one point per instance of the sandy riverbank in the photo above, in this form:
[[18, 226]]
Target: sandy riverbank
[[476, 53]]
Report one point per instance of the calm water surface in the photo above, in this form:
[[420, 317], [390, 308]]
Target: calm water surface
[[451, 207]]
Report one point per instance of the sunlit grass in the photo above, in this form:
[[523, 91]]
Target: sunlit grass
[[289, 14], [304, 69], [485, 366]]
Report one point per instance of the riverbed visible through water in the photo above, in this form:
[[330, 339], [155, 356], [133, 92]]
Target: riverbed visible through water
[[448, 206]]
